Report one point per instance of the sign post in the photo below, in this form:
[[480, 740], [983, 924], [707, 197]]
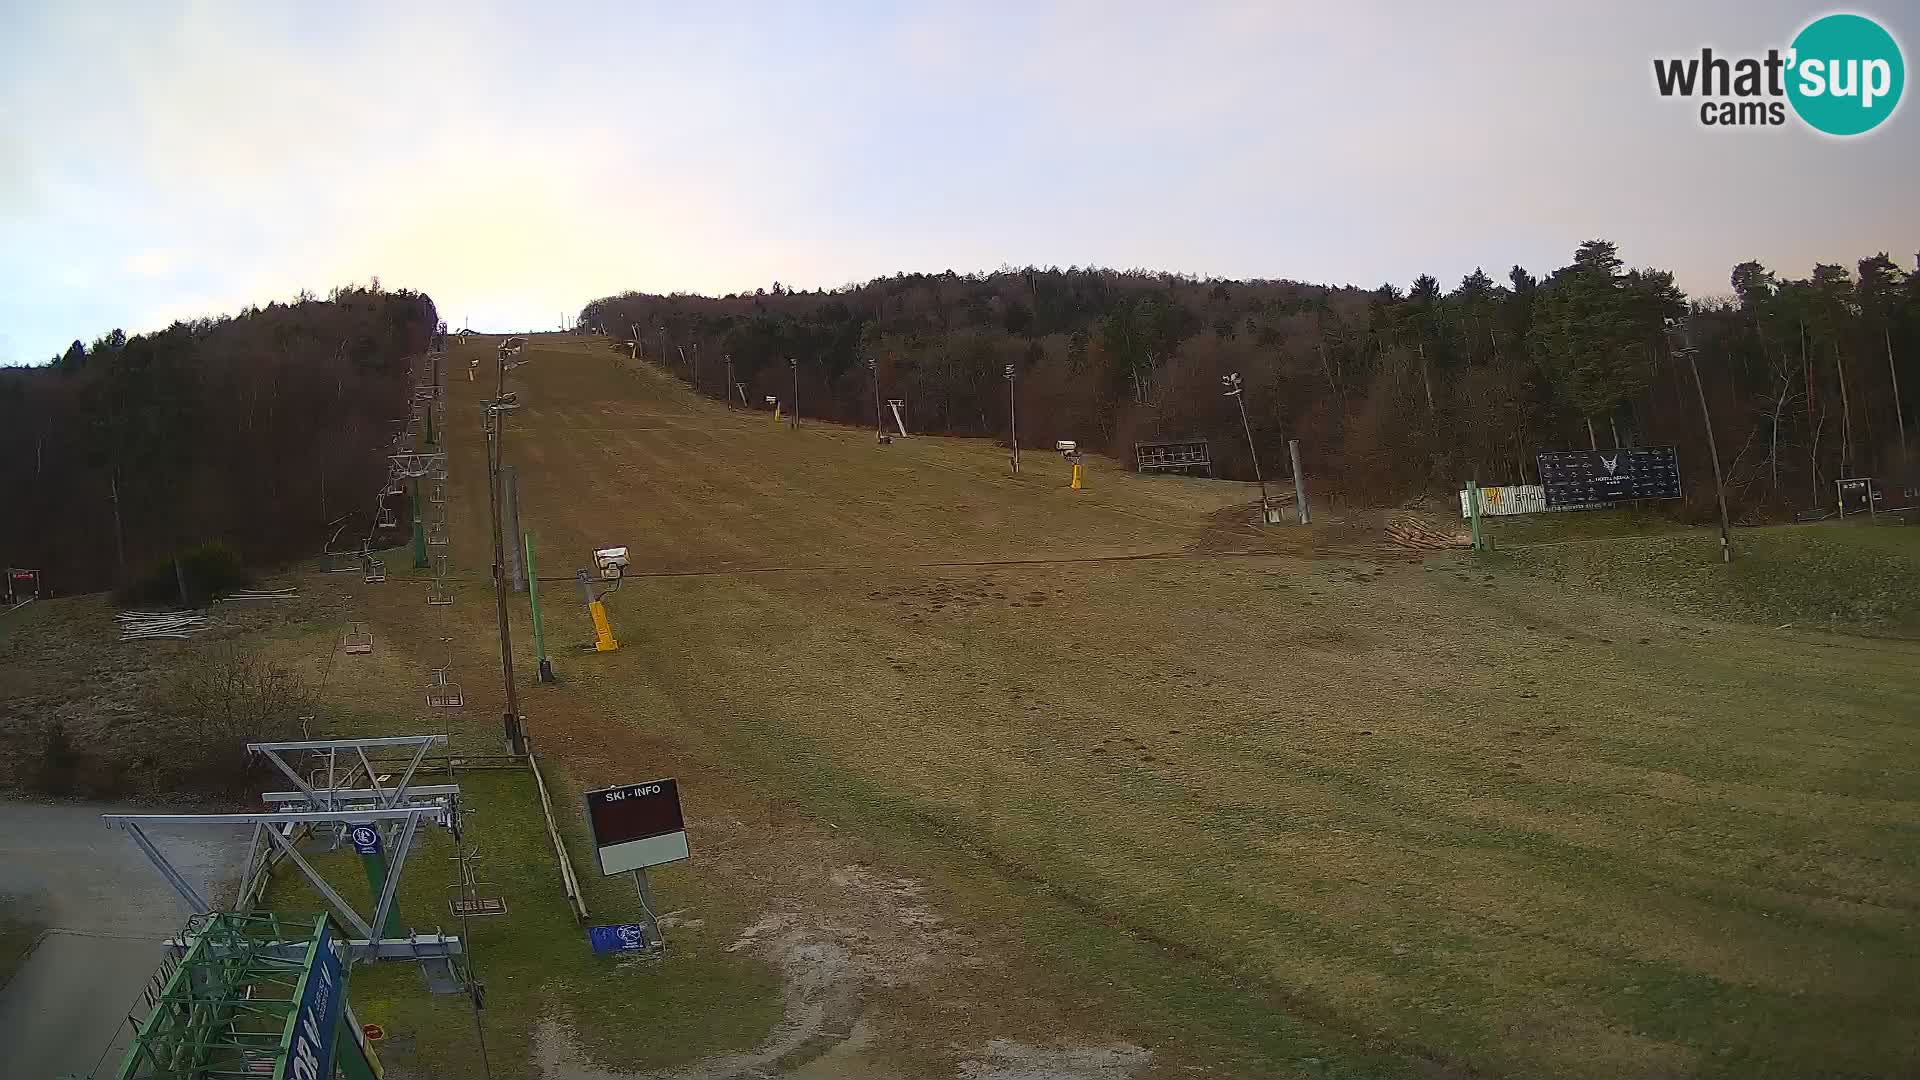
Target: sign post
[[1473, 511], [635, 826], [373, 859]]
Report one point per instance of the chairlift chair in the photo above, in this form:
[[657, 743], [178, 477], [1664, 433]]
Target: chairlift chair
[[437, 533], [437, 494], [376, 570], [467, 900], [442, 691], [357, 643], [439, 594], [339, 561]]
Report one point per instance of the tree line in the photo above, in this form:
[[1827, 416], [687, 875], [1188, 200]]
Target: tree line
[[1395, 393], [256, 431]]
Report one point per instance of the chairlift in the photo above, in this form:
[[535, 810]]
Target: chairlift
[[357, 643], [466, 900], [376, 570], [341, 561], [437, 533], [442, 691], [439, 594]]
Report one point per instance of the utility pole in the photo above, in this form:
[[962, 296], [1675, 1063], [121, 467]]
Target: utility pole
[[727, 390], [794, 420], [873, 365], [1713, 450], [696, 366], [1232, 382], [516, 739], [1013, 423]]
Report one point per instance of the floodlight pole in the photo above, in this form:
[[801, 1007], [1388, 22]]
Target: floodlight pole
[[533, 601], [1232, 383], [1013, 423], [516, 739], [1706, 418]]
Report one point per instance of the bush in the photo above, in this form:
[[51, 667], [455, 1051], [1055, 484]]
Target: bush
[[58, 764], [208, 571], [212, 705]]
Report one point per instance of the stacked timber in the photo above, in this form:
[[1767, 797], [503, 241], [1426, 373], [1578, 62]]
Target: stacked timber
[[1422, 534]]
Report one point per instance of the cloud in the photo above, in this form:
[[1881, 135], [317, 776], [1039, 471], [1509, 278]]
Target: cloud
[[151, 263], [175, 160]]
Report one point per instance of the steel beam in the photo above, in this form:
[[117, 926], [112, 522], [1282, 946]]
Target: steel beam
[[318, 817], [363, 795], [398, 865], [328, 744], [160, 863], [340, 905]]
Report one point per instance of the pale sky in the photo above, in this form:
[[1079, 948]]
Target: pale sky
[[170, 160]]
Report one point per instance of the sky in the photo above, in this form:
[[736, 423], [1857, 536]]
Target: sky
[[166, 161]]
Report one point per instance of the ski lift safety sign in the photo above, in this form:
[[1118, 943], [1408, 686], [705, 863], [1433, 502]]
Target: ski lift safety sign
[[637, 825]]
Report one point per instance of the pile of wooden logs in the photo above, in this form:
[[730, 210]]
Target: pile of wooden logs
[[147, 625], [1413, 531]]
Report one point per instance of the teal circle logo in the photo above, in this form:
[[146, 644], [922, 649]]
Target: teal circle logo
[[1846, 74]]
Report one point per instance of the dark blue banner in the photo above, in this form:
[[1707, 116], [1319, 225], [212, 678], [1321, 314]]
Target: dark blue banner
[[627, 937], [310, 1053]]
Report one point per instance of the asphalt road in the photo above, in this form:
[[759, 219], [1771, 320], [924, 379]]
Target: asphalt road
[[107, 911]]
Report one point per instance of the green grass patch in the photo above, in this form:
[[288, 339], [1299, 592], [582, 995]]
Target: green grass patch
[[1841, 576], [534, 962], [1074, 941]]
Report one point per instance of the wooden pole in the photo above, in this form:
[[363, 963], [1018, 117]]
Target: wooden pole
[[1713, 450]]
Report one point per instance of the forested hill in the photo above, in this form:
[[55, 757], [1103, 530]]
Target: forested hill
[[254, 431], [1393, 392]]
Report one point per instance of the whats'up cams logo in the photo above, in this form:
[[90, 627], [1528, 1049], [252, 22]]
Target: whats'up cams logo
[[1842, 75]]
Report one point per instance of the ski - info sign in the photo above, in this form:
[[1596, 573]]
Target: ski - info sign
[[637, 825]]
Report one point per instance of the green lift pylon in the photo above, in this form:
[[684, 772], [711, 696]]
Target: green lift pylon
[[254, 995], [419, 530]]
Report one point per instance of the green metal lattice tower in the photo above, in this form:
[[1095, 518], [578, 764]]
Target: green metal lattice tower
[[254, 995]]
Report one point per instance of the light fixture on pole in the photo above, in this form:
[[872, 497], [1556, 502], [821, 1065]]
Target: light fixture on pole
[[496, 410], [1013, 424], [1231, 381], [1683, 329]]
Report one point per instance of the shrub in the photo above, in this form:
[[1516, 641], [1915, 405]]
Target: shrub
[[212, 705], [57, 765]]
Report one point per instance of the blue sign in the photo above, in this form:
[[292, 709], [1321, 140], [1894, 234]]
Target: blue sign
[[366, 839], [310, 1054], [627, 937]]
